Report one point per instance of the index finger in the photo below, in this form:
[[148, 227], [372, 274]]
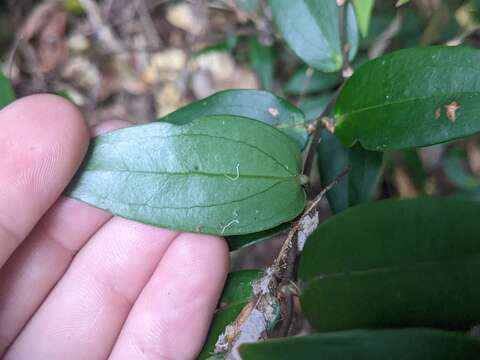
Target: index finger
[[43, 139]]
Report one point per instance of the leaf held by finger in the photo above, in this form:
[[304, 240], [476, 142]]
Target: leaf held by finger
[[224, 175]]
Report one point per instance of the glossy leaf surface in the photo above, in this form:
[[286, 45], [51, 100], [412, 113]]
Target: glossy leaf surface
[[411, 98], [300, 83], [219, 175], [310, 28], [236, 294], [404, 344], [259, 105], [359, 184], [394, 263]]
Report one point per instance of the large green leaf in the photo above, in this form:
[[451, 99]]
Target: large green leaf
[[363, 8], [259, 105], [6, 91], [311, 29], [217, 174], [359, 184], [411, 98], [394, 263], [404, 344], [236, 294]]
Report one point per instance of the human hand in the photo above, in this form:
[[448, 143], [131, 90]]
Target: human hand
[[77, 283]]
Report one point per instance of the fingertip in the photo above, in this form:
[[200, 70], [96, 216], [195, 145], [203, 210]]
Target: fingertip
[[108, 126], [50, 118]]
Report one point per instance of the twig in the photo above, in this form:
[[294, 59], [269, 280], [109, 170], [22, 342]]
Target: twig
[[346, 72], [272, 287], [148, 25], [318, 126], [345, 46], [384, 39]]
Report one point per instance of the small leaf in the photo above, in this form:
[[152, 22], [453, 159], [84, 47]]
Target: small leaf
[[359, 184], [363, 8], [236, 242], [401, 344], [261, 60], [6, 91], [310, 28], [301, 83], [394, 263], [259, 105], [220, 175], [236, 294], [411, 98]]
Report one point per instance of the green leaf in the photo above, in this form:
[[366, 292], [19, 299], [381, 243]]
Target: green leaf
[[363, 8], [402, 344], [311, 29], [301, 83], [236, 294], [411, 98], [236, 242], [359, 184], [314, 106], [401, 2], [261, 59], [6, 91], [217, 174], [394, 263], [259, 105]]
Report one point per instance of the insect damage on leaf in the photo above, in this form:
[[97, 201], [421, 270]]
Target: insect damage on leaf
[[438, 113], [451, 110]]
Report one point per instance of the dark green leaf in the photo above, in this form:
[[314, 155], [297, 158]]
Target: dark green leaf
[[236, 242], [261, 59], [301, 83], [236, 294], [310, 27], [411, 98], [314, 106], [217, 174], [363, 8], [6, 91], [259, 105], [394, 263], [359, 184], [403, 344]]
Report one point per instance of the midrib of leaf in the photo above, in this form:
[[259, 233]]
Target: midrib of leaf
[[115, 142], [386, 269], [404, 101], [199, 173], [197, 206]]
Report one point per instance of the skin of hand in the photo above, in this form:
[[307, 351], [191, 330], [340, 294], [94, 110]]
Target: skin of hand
[[77, 282]]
